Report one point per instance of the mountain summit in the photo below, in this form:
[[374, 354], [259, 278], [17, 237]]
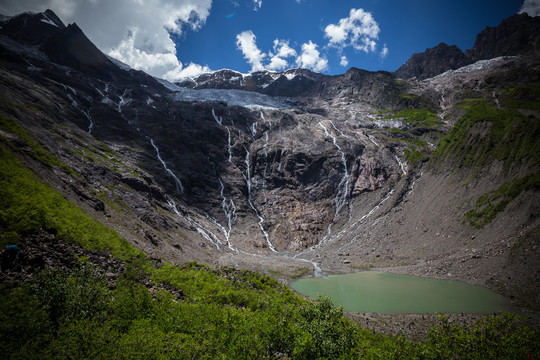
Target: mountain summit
[[517, 35]]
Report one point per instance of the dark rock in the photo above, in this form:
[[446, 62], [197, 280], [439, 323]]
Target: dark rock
[[433, 61]]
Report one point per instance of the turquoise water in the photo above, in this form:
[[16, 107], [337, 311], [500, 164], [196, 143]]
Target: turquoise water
[[371, 291]]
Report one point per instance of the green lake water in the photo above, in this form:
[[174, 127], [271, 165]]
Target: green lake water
[[371, 291]]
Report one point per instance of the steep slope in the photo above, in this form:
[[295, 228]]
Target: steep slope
[[433, 61], [292, 172]]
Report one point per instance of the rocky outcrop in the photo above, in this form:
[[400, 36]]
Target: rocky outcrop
[[433, 61], [517, 35]]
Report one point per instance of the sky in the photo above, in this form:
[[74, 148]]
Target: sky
[[174, 39]]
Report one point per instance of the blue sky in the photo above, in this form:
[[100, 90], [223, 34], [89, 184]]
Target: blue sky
[[405, 27], [174, 39]]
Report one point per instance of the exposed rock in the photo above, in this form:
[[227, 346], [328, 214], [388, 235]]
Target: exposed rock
[[517, 35], [432, 62]]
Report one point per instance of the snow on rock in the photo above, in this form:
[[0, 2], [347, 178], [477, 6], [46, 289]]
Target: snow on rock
[[479, 65], [169, 85], [118, 63]]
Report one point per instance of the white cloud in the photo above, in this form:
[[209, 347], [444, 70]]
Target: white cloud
[[344, 61], [282, 50], [310, 58], [384, 52], [276, 59], [245, 41], [133, 31], [359, 30], [257, 4], [531, 7]]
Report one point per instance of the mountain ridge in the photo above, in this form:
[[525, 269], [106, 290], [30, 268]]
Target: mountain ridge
[[517, 35]]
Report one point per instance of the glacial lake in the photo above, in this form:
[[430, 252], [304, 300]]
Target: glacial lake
[[371, 291]]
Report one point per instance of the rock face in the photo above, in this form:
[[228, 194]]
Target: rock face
[[433, 61], [517, 35], [267, 170]]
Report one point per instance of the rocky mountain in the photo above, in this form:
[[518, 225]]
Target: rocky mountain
[[433, 61], [290, 173], [517, 35]]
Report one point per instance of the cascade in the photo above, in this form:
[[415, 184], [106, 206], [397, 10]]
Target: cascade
[[123, 101], [401, 165], [219, 120], [206, 234], [264, 119], [179, 186], [91, 125], [371, 138], [254, 129], [342, 194], [229, 209], [247, 177], [229, 143]]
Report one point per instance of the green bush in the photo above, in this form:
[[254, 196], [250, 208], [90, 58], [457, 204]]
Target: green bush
[[28, 205]]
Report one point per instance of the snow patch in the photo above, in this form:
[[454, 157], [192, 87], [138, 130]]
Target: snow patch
[[48, 21], [169, 85], [118, 63], [290, 76], [479, 65]]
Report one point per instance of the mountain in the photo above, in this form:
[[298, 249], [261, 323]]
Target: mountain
[[287, 173], [517, 35], [433, 61]]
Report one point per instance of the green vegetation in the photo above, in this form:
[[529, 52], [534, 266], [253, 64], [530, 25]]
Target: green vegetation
[[486, 133], [28, 205], [35, 150], [493, 202], [413, 156], [522, 97], [78, 316], [424, 117]]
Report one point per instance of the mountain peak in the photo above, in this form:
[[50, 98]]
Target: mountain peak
[[51, 18], [433, 61]]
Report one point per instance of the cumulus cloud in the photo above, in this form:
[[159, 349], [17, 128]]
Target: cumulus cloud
[[282, 51], [344, 61], [359, 30], [531, 7], [257, 4], [310, 58], [245, 41], [135, 32], [276, 59]]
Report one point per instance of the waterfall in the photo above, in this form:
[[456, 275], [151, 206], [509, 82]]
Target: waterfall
[[123, 101], [253, 129], [91, 125], [343, 187], [206, 234], [219, 120], [229, 209], [250, 202], [401, 165], [179, 186]]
